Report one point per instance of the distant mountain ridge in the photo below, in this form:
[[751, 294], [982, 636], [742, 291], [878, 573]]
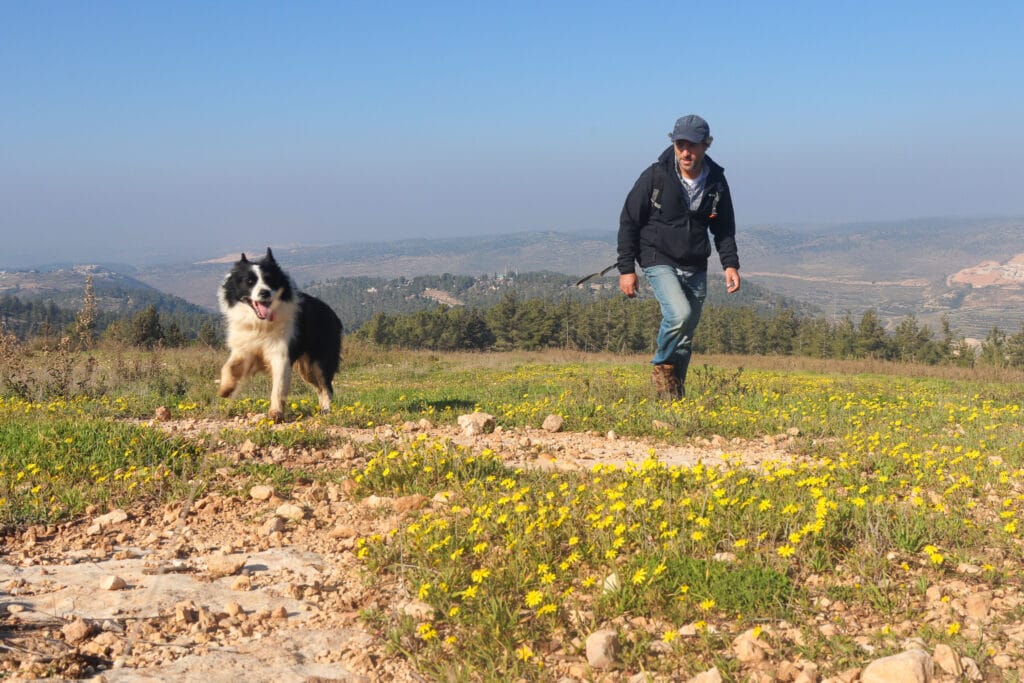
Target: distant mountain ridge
[[569, 253], [895, 268]]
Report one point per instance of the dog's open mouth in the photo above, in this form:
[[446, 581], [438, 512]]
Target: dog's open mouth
[[261, 310]]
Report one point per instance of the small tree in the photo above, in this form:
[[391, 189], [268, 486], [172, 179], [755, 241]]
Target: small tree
[[210, 335], [83, 332], [145, 329], [993, 349]]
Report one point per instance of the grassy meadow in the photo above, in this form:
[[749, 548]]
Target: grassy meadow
[[904, 478]]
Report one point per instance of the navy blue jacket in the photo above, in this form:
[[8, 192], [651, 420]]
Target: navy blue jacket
[[674, 235]]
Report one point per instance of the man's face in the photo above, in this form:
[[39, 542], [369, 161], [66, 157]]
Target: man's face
[[690, 156]]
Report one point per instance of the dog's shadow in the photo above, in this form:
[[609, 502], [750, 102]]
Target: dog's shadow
[[440, 405]]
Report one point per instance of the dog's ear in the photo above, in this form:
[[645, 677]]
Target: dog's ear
[[244, 260], [270, 254]]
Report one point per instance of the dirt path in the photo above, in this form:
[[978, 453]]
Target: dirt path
[[248, 586]]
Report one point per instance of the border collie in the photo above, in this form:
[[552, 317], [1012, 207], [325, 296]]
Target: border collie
[[272, 326]]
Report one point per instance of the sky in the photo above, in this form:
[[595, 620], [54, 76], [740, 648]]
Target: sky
[[150, 132]]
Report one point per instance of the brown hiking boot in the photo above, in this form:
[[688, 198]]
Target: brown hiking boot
[[666, 382]]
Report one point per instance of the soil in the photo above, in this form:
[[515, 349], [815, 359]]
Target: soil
[[250, 586]]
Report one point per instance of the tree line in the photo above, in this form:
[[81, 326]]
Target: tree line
[[34, 319], [615, 325], [624, 326]]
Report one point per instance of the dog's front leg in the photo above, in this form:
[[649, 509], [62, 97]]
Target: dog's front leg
[[230, 374], [281, 372]]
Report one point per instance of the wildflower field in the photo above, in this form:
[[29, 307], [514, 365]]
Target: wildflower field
[[900, 498]]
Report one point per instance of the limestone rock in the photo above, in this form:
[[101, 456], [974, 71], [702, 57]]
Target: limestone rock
[[912, 666], [343, 531], [261, 492], [553, 423], [186, 612], [104, 522], [747, 649], [948, 660], [224, 565], [808, 675], [410, 503], [241, 583], [419, 610], [475, 424], [291, 511], [602, 646], [77, 631], [978, 604], [112, 583], [712, 675], [272, 526]]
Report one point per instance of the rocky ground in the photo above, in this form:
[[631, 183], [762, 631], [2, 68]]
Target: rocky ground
[[254, 587]]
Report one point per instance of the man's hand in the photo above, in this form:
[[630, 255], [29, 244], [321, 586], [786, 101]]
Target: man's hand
[[732, 280], [627, 283]]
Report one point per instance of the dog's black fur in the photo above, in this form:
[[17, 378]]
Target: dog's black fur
[[273, 326]]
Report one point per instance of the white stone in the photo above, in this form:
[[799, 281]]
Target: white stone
[[912, 666], [947, 659], [712, 675], [602, 647], [419, 610], [747, 649], [219, 566], [104, 522], [261, 492], [112, 583], [553, 423], [978, 605], [272, 526], [475, 424], [808, 675], [291, 511], [971, 670]]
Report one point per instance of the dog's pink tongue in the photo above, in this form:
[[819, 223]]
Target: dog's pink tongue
[[262, 310]]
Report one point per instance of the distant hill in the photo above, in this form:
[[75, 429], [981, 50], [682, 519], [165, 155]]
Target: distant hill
[[898, 269], [570, 253], [62, 290], [356, 300], [928, 268]]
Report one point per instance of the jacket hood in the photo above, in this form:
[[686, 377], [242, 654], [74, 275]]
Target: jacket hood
[[668, 157]]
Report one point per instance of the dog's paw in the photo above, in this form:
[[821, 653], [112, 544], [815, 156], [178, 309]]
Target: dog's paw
[[276, 415]]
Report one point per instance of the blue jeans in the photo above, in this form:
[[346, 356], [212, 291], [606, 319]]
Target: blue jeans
[[681, 295]]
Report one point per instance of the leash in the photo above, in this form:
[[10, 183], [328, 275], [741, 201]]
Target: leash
[[593, 275]]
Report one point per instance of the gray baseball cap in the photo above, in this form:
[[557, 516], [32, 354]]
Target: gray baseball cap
[[690, 127]]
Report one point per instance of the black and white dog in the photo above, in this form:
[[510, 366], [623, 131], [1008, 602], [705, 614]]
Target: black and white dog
[[272, 326]]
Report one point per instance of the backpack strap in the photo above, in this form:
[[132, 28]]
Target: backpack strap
[[659, 183]]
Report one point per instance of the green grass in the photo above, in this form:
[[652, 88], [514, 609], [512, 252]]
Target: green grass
[[899, 478], [56, 458]]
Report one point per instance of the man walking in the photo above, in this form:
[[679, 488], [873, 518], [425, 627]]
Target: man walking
[[664, 227]]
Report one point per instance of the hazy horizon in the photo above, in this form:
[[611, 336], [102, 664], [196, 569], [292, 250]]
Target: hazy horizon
[[144, 133], [138, 259]]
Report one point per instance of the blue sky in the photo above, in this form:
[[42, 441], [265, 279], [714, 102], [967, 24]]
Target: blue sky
[[153, 131]]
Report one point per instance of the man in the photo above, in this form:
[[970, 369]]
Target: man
[[664, 227]]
